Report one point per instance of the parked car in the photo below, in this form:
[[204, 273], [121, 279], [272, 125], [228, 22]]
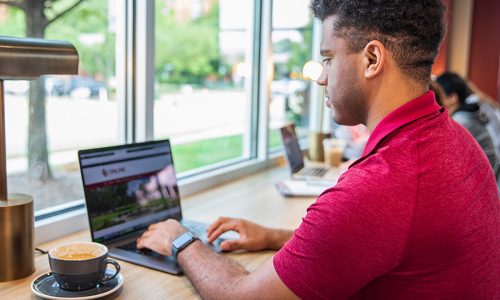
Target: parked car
[[85, 87], [55, 86], [74, 86], [82, 87]]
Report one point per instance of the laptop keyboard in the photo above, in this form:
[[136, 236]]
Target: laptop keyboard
[[312, 171], [198, 229], [132, 247]]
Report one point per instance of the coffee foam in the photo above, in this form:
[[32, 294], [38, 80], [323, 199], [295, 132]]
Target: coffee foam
[[71, 249]]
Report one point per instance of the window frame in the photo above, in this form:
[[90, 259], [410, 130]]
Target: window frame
[[136, 73]]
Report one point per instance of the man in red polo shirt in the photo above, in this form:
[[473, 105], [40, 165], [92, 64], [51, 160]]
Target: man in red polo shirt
[[416, 217]]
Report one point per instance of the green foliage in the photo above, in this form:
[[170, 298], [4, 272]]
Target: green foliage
[[186, 51], [14, 24], [274, 138], [89, 17], [203, 153], [301, 52]]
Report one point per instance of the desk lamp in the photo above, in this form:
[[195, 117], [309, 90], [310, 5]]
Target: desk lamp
[[23, 59]]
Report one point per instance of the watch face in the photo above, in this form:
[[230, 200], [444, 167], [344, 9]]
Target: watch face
[[182, 239]]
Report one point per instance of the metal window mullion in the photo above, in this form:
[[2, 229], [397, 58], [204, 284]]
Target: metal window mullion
[[121, 70], [145, 69], [251, 141], [316, 92], [265, 77], [130, 72]]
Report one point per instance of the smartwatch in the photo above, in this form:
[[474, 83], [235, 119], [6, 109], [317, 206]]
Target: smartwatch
[[181, 242]]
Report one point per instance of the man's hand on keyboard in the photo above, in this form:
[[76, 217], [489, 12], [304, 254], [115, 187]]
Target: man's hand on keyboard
[[159, 236]]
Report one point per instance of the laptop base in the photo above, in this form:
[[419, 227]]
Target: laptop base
[[156, 261]]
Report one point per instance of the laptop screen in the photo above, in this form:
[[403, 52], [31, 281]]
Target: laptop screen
[[129, 187], [292, 148]]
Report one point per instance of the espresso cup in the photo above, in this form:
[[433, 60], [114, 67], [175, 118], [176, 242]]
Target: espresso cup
[[80, 266]]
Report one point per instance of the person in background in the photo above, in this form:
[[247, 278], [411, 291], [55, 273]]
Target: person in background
[[438, 91], [401, 222], [490, 108], [468, 114]]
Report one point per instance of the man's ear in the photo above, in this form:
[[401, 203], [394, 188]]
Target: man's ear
[[374, 56]]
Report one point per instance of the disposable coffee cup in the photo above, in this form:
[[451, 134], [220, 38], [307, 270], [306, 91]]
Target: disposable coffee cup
[[334, 151], [81, 266]]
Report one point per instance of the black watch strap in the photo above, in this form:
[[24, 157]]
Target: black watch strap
[[181, 242]]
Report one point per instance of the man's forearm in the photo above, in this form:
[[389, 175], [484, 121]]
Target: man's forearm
[[214, 276], [217, 276], [278, 237]]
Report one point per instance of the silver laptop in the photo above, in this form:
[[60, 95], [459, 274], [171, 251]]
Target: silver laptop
[[295, 159], [127, 188]]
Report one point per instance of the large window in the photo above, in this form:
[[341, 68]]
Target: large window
[[49, 119], [211, 93], [202, 85], [292, 48]]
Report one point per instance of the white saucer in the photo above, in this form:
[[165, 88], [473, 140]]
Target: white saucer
[[45, 286]]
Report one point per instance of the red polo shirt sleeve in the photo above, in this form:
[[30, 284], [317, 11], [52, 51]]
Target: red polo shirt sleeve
[[350, 236]]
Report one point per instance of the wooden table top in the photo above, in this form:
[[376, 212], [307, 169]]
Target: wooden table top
[[253, 197]]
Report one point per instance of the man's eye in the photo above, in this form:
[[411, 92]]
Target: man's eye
[[326, 61]]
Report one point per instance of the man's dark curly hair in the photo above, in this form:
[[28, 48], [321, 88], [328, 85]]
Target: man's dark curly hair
[[411, 30]]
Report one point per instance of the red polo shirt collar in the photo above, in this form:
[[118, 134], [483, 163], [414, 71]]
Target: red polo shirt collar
[[411, 111]]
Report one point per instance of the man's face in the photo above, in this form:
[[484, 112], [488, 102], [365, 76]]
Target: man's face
[[342, 78]]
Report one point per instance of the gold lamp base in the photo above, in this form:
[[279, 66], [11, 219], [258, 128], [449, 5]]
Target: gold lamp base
[[16, 236]]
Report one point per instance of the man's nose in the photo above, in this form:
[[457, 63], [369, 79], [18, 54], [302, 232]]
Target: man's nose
[[322, 78]]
